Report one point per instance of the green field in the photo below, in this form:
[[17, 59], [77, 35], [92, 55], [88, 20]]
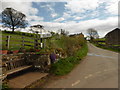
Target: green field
[[15, 41], [104, 46]]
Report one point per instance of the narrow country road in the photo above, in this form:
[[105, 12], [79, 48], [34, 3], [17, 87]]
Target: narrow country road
[[99, 69]]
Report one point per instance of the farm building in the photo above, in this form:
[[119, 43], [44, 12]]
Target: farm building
[[113, 37], [77, 35], [40, 30]]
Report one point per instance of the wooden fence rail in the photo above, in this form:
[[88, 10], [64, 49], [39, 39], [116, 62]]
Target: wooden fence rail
[[22, 41]]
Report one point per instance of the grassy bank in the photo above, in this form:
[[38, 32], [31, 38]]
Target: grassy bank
[[107, 48], [101, 44], [64, 66]]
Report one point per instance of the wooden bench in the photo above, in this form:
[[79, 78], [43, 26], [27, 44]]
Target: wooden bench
[[18, 69], [11, 67], [10, 72]]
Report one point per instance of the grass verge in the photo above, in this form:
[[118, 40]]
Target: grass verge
[[64, 66], [111, 49]]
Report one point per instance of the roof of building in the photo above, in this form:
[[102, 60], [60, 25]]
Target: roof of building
[[117, 30]]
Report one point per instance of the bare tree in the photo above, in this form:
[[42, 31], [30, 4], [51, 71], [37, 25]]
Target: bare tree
[[13, 19], [92, 33]]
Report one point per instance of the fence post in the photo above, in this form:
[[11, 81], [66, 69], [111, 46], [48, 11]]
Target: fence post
[[45, 43], [35, 43], [23, 42], [8, 42]]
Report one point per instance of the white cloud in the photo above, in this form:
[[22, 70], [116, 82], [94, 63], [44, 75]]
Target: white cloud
[[49, 7], [81, 6], [74, 6], [78, 6], [112, 7], [35, 0], [24, 7], [54, 15], [78, 18], [35, 18], [66, 15], [59, 19], [102, 26], [33, 11]]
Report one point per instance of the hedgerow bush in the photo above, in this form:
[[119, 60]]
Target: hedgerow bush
[[64, 66], [69, 44]]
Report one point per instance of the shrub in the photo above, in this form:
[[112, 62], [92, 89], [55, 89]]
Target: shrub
[[64, 66], [82, 52], [70, 44]]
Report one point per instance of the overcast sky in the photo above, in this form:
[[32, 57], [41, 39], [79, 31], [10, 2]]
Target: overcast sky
[[73, 15]]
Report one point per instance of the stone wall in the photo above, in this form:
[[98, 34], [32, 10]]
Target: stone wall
[[40, 61], [11, 61]]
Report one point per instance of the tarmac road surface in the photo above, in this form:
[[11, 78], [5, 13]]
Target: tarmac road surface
[[99, 69]]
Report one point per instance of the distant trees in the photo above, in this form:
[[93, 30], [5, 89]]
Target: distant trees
[[53, 33], [92, 33], [63, 32], [13, 19]]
